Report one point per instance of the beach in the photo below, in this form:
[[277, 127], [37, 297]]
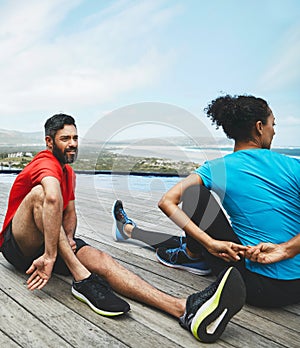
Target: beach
[[174, 153]]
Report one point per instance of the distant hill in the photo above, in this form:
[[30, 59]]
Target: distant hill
[[11, 138], [17, 138]]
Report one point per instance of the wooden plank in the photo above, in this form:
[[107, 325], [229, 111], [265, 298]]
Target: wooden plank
[[6, 341], [24, 327], [36, 317], [144, 326], [287, 322]]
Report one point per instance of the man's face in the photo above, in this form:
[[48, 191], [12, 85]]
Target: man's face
[[65, 144]]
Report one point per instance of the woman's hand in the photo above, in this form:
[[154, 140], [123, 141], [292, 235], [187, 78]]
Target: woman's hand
[[226, 250]]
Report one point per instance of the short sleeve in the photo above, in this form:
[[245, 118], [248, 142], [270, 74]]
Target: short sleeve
[[43, 168], [205, 174]]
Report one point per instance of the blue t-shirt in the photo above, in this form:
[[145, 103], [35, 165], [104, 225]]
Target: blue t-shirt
[[260, 190]]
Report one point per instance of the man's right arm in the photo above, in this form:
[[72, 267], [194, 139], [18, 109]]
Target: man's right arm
[[52, 215], [41, 268]]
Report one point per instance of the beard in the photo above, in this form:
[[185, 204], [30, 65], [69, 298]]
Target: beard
[[65, 157]]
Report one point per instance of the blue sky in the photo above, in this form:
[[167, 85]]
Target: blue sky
[[90, 57]]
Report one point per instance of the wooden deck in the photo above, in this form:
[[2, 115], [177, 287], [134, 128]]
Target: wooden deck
[[52, 317]]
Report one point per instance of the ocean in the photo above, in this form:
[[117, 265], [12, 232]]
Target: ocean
[[150, 183]]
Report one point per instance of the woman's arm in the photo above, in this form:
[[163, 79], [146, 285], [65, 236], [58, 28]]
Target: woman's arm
[[226, 250], [270, 253]]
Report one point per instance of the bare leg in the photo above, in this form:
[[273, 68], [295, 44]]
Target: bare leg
[[78, 270], [127, 283], [27, 226]]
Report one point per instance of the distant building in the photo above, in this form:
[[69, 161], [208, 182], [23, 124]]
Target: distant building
[[19, 154]]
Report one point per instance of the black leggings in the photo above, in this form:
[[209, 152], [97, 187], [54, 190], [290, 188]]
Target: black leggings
[[200, 205]]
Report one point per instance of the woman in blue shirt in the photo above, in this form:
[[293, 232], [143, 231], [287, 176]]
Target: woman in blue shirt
[[260, 191]]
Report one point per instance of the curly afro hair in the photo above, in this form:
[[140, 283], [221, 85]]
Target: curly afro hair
[[238, 115]]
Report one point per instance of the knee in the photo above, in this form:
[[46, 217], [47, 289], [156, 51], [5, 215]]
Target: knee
[[37, 195], [106, 259], [37, 191], [95, 260]]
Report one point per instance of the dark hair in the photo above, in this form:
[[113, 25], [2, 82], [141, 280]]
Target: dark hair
[[238, 115], [57, 122]]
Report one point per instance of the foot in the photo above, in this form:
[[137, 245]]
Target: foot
[[120, 220], [209, 311], [178, 258], [171, 243], [97, 294]]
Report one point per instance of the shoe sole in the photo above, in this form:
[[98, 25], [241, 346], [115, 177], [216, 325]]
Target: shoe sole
[[185, 268], [114, 227], [212, 317], [114, 233], [82, 298]]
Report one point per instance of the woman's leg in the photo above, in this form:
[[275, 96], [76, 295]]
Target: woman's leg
[[156, 239], [268, 292], [200, 205], [125, 228], [203, 209]]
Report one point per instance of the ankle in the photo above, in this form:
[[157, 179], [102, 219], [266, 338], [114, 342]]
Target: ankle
[[180, 307], [192, 254], [127, 229], [79, 276]]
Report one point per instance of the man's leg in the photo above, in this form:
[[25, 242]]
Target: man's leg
[[127, 283], [27, 229], [205, 314]]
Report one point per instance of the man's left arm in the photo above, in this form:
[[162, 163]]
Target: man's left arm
[[70, 223]]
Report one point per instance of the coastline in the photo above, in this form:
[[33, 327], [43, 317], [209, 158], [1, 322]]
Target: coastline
[[174, 153], [141, 159]]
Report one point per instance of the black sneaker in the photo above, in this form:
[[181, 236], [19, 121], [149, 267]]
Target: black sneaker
[[209, 311], [120, 219], [178, 258], [97, 293], [170, 243]]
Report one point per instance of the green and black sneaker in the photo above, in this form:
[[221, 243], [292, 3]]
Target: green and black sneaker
[[209, 311]]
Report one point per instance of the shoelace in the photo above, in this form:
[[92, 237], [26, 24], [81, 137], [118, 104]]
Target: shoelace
[[197, 299], [173, 253], [99, 285], [124, 218]]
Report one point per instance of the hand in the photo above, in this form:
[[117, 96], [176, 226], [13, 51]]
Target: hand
[[40, 271], [266, 253], [227, 251], [72, 244]]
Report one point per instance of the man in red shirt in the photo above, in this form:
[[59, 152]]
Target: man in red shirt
[[38, 237]]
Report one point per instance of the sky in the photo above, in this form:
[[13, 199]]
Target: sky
[[89, 58]]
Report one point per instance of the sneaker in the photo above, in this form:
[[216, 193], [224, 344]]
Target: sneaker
[[209, 311], [170, 243], [120, 219], [97, 294], [178, 258]]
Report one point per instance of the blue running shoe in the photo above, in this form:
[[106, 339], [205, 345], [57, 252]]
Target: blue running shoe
[[120, 219], [178, 258], [209, 311]]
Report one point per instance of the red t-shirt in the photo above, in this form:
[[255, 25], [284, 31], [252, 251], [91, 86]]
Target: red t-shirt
[[43, 164]]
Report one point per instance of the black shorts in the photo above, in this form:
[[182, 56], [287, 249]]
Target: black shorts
[[14, 255]]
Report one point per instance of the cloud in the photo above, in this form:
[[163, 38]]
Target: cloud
[[109, 52], [285, 69]]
